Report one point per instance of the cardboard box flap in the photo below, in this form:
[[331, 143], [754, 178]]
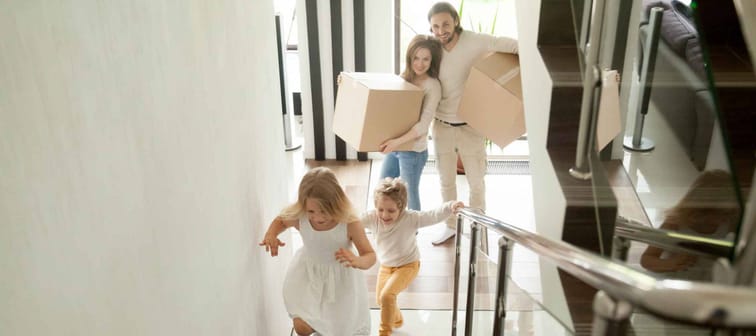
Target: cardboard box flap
[[507, 76], [498, 63], [502, 68], [381, 81], [515, 85], [492, 99]]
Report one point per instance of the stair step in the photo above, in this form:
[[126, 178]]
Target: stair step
[[438, 322]]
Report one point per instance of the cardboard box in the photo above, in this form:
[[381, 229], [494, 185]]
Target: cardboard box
[[492, 99], [374, 107]]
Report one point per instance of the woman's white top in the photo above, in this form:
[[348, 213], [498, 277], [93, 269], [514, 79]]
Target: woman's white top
[[431, 98]]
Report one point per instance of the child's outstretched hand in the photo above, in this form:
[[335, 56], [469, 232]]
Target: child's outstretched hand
[[272, 245], [456, 206], [346, 257]]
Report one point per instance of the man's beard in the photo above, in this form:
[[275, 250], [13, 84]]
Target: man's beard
[[448, 40]]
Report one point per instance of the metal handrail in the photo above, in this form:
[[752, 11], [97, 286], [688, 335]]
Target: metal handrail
[[672, 241], [696, 303]]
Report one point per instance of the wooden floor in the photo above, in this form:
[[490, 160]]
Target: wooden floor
[[434, 286]]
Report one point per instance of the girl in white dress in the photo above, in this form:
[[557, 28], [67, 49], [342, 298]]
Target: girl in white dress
[[324, 292]]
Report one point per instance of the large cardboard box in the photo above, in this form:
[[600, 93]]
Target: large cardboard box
[[492, 99], [374, 107]]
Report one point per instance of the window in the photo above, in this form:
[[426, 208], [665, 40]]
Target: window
[[496, 17], [288, 11]]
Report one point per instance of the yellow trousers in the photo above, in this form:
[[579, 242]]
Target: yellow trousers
[[391, 282]]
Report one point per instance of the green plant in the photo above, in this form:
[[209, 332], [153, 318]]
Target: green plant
[[479, 28]]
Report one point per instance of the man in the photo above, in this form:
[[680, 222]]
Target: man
[[451, 135]]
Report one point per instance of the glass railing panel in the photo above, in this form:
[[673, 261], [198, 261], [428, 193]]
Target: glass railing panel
[[680, 161], [525, 312], [581, 16]]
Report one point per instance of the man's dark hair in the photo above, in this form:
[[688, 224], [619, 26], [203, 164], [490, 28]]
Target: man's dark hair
[[445, 7]]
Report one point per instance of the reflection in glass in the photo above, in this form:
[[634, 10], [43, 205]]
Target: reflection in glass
[[680, 91], [685, 183], [709, 209]]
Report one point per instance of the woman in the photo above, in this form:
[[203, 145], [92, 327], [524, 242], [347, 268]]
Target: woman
[[423, 61]]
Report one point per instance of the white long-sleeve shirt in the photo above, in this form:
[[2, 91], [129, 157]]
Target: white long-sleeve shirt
[[456, 65], [396, 244], [431, 98]]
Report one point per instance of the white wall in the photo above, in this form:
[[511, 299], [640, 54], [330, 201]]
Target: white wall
[[548, 201], [140, 165], [536, 91]]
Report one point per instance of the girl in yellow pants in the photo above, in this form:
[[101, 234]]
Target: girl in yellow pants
[[394, 228]]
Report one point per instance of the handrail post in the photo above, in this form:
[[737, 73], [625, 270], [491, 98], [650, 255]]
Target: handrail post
[[470, 309], [591, 80], [457, 249], [610, 316], [285, 108], [505, 266], [620, 248], [637, 142]]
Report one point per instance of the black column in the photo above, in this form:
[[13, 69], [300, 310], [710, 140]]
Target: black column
[[359, 48], [338, 65], [313, 44]]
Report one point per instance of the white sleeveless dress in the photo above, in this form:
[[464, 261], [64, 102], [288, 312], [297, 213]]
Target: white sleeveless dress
[[331, 298]]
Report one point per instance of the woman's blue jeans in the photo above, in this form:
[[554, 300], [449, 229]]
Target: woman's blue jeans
[[409, 166]]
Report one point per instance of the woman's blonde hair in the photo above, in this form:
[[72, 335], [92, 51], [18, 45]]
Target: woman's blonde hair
[[321, 185], [427, 42], [393, 188]]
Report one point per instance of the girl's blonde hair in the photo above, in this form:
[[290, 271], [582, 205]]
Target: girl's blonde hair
[[427, 42], [393, 188], [321, 185]]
